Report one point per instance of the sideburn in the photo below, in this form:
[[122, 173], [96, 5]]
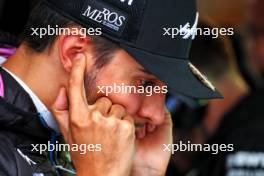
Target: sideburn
[[90, 86]]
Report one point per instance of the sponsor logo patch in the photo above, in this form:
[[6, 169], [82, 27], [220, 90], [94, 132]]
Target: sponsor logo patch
[[105, 16]]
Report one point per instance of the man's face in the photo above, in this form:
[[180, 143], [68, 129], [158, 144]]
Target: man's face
[[147, 111], [256, 42], [256, 47]]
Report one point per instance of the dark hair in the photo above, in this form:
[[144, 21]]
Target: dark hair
[[7, 39], [43, 16]]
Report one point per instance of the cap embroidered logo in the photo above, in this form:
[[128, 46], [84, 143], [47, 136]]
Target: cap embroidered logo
[[129, 1], [188, 32]]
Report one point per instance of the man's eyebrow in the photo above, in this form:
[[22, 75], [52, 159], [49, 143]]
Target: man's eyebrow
[[151, 75], [145, 71]]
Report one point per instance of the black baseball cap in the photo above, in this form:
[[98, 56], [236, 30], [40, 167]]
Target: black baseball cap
[[144, 29]]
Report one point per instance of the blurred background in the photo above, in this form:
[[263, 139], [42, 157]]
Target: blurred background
[[234, 64]]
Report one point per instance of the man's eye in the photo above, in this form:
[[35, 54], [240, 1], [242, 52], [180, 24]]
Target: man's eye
[[147, 83]]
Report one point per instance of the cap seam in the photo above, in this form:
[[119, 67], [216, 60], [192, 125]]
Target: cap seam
[[143, 19]]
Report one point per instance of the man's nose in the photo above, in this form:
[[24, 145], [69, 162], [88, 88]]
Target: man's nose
[[153, 108]]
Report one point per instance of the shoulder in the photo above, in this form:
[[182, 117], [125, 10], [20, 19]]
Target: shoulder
[[8, 164], [14, 160]]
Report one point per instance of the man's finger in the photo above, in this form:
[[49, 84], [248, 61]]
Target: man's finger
[[168, 118], [77, 97], [103, 105], [129, 119], [117, 111], [60, 110]]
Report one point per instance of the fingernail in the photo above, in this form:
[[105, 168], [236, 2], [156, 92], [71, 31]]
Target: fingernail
[[79, 56]]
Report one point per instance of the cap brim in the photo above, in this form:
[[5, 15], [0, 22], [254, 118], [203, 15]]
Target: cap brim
[[176, 73]]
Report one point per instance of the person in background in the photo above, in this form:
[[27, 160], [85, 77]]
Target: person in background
[[215, 58], [237, 120], [255, 37]]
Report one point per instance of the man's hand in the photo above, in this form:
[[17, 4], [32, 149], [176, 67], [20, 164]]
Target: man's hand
[[150, 159], [101, 123]]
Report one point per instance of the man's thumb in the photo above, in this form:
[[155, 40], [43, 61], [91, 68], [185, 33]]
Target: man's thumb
[[60, 110]]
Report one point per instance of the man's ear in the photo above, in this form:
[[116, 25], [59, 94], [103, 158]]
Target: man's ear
[[73, 47]]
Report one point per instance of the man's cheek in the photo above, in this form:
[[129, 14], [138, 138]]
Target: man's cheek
[[131, 102]]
